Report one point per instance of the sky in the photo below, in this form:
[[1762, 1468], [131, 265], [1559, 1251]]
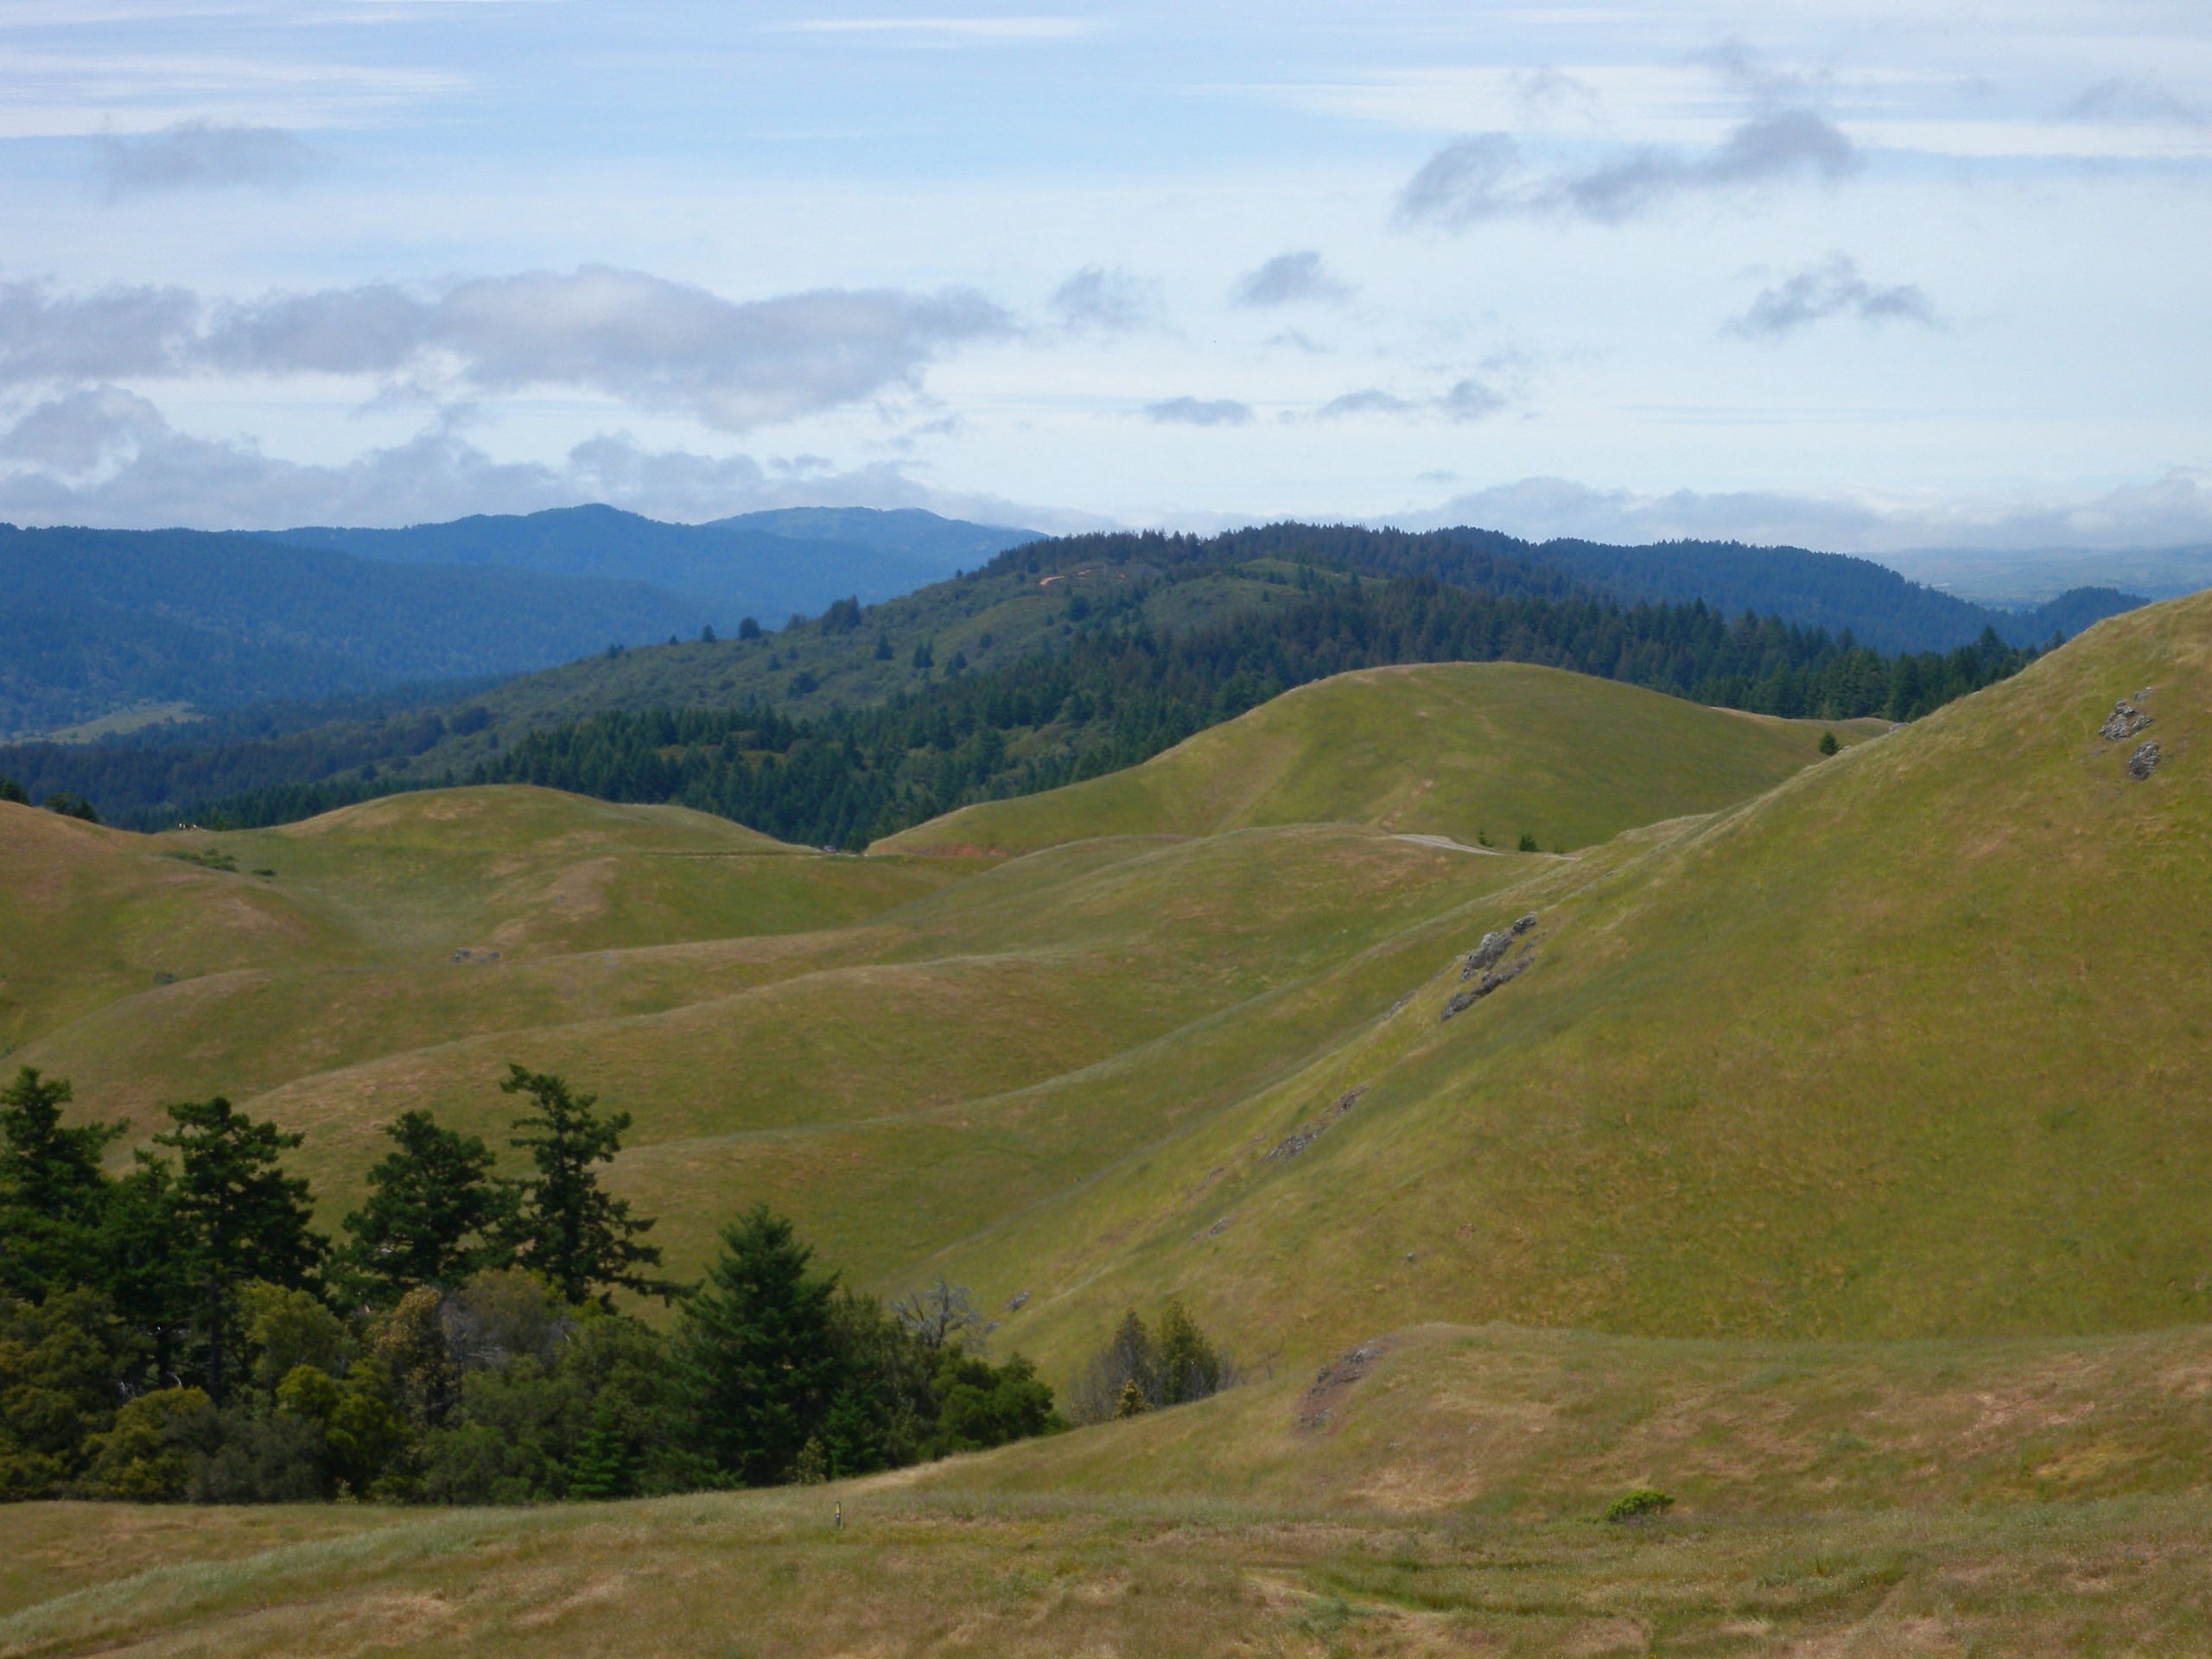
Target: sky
[[1826, 271]]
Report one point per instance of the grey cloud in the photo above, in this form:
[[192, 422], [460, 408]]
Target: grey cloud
[[1199, 412], [2123, 100], [1099, 300], [2172, 511], [97, 336], [649, 342], [1548, 87], [1737, 66], [1465, 182], [202, 155], [1469, 399], [1484, 177], [1371, 401], [1288, 278], [104, 457], [1832, 289]]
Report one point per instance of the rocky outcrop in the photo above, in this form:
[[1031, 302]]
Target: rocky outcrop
[[1305, 1138], [1332, 1387], [2126, 720], [2143, 762], [1504, 973], [1492, 949]]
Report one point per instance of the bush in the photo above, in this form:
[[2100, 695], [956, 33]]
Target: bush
[[1642, 1504], [147, 1457], [1527, 843], [1828, 744]]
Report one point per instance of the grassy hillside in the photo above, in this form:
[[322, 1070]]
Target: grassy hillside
[[1835, 1166], [1469, 751], [1888, 1051], [1878, 1053], [1541, 1426], [921, 1571]]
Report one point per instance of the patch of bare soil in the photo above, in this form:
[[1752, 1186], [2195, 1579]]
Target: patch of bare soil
[[1331, 1389]]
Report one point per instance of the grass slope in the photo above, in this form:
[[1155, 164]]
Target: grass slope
[[1893, 1051], [1463, 750], [1880, 1053]]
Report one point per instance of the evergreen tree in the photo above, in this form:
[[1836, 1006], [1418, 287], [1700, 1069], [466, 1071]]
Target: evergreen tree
[[757, 1352], [1189, 1367], [434, 1213], [236, 1217], [568, 1232], [53, 1193]]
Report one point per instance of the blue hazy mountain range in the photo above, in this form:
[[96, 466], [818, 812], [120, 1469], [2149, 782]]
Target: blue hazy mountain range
[[765, 565], [96, 622]]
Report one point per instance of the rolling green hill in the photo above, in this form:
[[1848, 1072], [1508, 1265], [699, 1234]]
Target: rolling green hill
[[1824, 1063], [1888, 1051], [1831, 1159], [1478, 753]]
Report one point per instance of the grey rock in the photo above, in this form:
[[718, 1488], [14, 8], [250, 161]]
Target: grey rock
[[2124, 721], [1019, 1300], [1492, 949], [1505, 975], [1305, 1138], [2143, 762]]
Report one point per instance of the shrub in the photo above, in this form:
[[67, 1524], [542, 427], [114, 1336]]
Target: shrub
[[1828, 744], [147, 1457], [1642, 1504], [1527, 843]]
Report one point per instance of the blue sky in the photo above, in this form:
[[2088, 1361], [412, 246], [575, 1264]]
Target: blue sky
[[1858, 277]]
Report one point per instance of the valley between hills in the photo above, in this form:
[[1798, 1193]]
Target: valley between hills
[[1545, 1087]]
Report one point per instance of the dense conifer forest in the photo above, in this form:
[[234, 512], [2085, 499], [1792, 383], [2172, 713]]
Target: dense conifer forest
[[1121, 693], [1106, 686]]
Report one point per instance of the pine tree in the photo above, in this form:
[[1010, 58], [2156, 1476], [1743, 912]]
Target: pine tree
[[434, 1213], [53, 1192], [568, 1231], [237, 1217], [1189, 1369], [757, 1352]]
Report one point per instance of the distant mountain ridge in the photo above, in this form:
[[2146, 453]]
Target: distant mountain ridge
[[766, 565], [1834, 591], [93, 622]]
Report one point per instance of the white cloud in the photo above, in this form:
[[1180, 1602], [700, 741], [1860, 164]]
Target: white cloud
[[641, 340], [2172, 511], [1199, 412], [958, 28], [104, 457]]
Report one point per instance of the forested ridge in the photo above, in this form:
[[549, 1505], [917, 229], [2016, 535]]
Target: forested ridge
[[1120, 691]]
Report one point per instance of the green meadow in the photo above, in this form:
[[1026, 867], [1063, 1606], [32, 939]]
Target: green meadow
[[1833, 1160]]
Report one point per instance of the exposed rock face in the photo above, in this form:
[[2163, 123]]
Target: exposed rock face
[[2143, 762], [1305, 1138], [2126, 720], [1503, 976], [1493, 948], [1332, 1387]]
